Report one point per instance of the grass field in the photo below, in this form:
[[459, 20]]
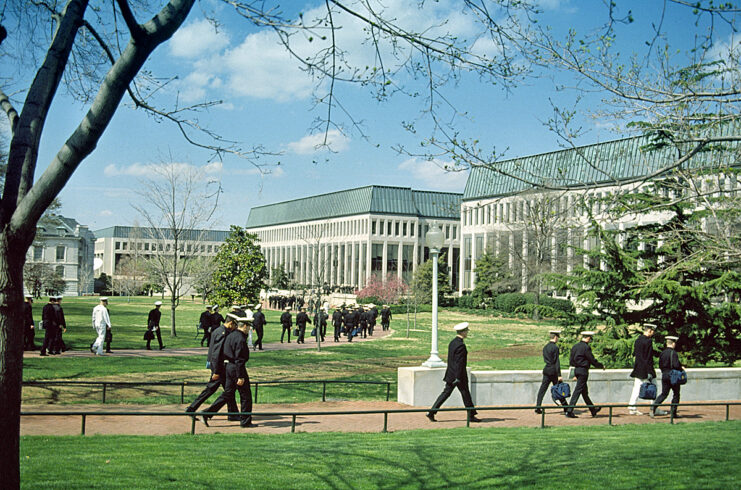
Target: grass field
[[494, 343], [699, 455]]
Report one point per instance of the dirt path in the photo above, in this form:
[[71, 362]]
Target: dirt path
[[274, 424], [195, 351]]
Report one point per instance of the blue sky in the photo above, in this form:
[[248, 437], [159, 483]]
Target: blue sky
[[268, 101]]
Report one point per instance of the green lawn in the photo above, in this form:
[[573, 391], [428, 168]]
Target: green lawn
[[697, 455], [494, 343]]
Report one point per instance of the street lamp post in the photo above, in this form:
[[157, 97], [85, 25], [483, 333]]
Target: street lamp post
[[434, 240]]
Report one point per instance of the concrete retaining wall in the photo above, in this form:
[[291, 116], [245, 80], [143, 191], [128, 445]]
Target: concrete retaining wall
[[420, 386]]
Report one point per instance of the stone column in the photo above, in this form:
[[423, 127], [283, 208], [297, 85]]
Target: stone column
[[384, 266], [400, 259]]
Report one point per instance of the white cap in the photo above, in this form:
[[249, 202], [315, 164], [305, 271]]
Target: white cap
[[287, 308], [554, 332], [104, 298], [672, 338], [588, 333], [158, 303], [232, 316], [460, 326], [258, 306], [208, 307], [29, 296], [248, 317]]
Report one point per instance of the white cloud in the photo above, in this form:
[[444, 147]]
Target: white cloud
[[435, 175], [106, 212], [260, 66], [312, 143], [197, 39], [151, 170]]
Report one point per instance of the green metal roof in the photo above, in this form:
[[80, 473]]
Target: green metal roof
[[584, 166], [371, 199], [151, 234]]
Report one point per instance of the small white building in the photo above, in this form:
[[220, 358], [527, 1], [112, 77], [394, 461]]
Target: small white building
[[67, 248]]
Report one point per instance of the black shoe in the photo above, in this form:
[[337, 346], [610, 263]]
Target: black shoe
[[247, 425], [162, 347], [431, 416], [43, 354], [91, 348], [538, 411], [109, 352], [596, 411], [149, 348], [204, 419], [474, 419], [571, 415]]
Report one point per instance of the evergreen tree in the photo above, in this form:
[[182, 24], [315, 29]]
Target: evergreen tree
[[422, 282], [241, 270]]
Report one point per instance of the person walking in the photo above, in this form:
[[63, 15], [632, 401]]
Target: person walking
[[581, 359], [643, 366], [235, 355], [258, 324], [337, 323], [102, 325], [218, 371], [668, 361], [552, 369], [58, 342], [301, 320], [286, 321], [386, 317], [28, 325], [456, 375], [49, 320], [205, 321], [153, 325]]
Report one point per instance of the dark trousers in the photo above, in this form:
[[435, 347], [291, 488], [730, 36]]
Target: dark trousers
[[547, 381], [245, 394], [259, 331], [385, 325], [159, 338], [448, 390], [301, 333], [364, 329], [337, 331], [108, 339], [666, 385], [285, 329], [371, 326], [349, 333], [211, 388], [28, 343], [323, 331], [50, 336], [582, 390], [206, 337]]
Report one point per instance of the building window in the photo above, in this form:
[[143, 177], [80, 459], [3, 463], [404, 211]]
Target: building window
[[60, 270], [455, 229], [118, 245], [125, 245], [38, 253], [377, 259], [404, 229], [396, 229], [373, 227], [388, 228], [146, 246], [60, 253]]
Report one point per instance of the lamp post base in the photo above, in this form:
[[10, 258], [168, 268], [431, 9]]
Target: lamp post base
[[434, 362]]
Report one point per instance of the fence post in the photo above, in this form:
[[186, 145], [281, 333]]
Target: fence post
[[385, 421], [104, 387], [82, 425], [542, 418], [293, 423], [671, 413], [192, 424], [468, 417], [182, 393], [324, 391], [728, 407], [256, 384], [610, 421], [388, 390]]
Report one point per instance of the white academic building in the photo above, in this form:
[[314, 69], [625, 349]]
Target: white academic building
[[343, 238], [536, 209], [67, 247], [115, 242]]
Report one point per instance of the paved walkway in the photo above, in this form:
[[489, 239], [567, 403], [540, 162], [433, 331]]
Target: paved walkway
[[195, 351], [275, 424]]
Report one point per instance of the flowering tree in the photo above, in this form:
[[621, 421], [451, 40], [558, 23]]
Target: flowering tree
[[387, 292]]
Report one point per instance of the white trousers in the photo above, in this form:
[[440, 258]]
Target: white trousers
[[636, 391], [100, 341]]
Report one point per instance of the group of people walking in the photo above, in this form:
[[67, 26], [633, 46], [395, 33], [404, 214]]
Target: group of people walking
[[347, 320], [581, 360]]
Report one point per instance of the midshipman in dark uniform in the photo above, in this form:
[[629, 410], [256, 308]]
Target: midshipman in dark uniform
[[50, 321], [337, 324], [205, 321], [218, 372], [668, 360], [456, 375], [581, 359], [258, 323], [643, 367], [552, 369], [385, 317], [301, 319], [286, 320], [153, 325]]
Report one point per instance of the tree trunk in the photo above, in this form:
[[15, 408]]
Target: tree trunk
[[12, 257]]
